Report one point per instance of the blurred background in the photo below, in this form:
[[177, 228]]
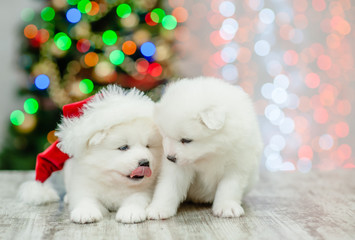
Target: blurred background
[[294, 57]]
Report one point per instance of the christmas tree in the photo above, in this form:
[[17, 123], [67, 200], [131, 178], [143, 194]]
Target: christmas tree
[[70, 49]]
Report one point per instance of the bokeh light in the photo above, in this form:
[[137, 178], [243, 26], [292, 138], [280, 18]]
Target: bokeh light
[[83, 45], [47, 14], [42, 81], [62, 41], [180, 14], [262, 48], [117, 57], [17, 117], [30, 106], [109, 37], [312, 80], [95, 8], [129, 47], [226, 8], [84, 6], [42, 36], [73, 15], [86, 86], [30, 31], [149, 20], [148, 49], [142, 66], [91, 59], [157, 15], [27, 14], [267, 16], [123, 10], [169, 22], [155, 69]]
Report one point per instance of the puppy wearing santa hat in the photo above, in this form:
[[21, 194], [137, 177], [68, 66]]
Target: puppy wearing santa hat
[[110, 149]]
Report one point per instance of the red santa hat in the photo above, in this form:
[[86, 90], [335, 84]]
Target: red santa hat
[[52, 159], [49, 161]]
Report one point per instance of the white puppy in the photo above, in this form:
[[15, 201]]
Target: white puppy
[[212, 146], [115, 151]]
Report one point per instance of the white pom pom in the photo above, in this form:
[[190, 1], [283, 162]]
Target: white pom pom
[[37, 193]]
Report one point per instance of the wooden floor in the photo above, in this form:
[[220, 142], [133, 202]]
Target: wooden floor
[[318, 205]]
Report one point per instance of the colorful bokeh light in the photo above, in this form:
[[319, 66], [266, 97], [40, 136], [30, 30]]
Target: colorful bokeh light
[[91, 59], [148, 49], [30, 106], [169, 22], [86, 86], [109, 37], [123, 10], [42, 81], [157, 15], [117, 57], [30, 31], [84, 6], [17, 117], [295, 59], [73, 15], [83, 45], [129, 47], [47, 14], [95, 9], [62, 41]]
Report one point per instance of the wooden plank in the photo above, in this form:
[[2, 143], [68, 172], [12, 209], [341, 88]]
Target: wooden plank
[[317, 205]]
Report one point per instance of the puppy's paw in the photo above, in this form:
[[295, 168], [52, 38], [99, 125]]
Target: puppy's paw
[[227, 209], [131, 214], [160, 212], [86, 215]]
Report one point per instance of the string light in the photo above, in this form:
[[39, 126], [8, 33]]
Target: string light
[[129, 47], [17, 117], [157, 15], [123, 10], [117, 57], [86, 86], [30, 31], [73, 15], [62, 41], [84, 6], [148, 49], [169, 22], [42, 81], [91, 59], [47, 14], [30, 106], [109, 37]]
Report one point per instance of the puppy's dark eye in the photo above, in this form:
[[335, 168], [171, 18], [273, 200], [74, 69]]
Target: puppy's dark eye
[[123, 148], [147, 146], [185, 140]]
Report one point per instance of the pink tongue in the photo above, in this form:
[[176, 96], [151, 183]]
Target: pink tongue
[[141, 171]]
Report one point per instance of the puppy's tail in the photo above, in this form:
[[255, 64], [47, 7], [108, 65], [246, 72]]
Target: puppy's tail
[[37, 193]]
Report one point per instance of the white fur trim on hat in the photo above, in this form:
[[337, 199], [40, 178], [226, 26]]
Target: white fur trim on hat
[[111, 106], [37, 193]]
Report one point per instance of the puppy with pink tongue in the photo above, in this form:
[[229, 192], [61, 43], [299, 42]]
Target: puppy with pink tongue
[[115, 151]]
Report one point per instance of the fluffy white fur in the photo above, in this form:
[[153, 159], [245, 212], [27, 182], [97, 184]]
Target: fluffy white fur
[[97, 174], [221, 162], [37, 193]]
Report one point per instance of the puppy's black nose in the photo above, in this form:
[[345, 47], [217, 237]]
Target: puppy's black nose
[[143, 163], [171, 158]]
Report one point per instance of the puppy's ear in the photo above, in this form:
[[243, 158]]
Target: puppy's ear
[[213, 118], [97, 138]]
